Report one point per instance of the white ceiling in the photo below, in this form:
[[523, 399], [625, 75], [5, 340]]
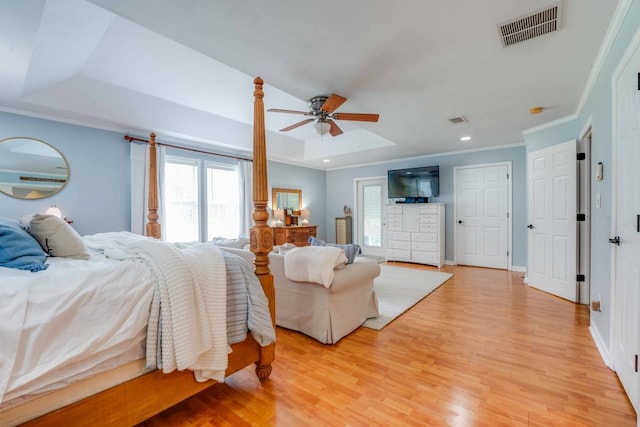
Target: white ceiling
[[184, 69]]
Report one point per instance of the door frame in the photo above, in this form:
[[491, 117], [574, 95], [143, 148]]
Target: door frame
[[508, 164], [626, 57], [584, 201], [356, 211]]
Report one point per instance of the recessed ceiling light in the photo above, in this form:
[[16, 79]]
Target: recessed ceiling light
[[325, 161], [465, 138]]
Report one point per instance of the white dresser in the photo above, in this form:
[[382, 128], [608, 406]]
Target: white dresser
[[415, 233]]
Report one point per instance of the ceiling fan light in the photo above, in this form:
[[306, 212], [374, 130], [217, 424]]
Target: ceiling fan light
[[322, 127]]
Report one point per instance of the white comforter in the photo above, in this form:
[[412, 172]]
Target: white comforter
[[53, 324], [188, 313]]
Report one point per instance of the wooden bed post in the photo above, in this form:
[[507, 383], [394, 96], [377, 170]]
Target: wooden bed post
[[153, 227], [261, 233]]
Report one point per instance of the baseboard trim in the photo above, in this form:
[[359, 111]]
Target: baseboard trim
[[600, 345], [519, 268]]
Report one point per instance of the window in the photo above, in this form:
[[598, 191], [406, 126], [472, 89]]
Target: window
[[372, 215], [181, 206], [187, 182], [223, 202]]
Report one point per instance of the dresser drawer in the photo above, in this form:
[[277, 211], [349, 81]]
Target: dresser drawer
[[429, 226], [398, 235], [395, 227], [424, 237], [398, 244], [299, 236], [424, 257], [429, 210], [398, 254], [424, 246], [397, 218]]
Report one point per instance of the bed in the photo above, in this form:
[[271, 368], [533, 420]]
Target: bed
[[124, 391]]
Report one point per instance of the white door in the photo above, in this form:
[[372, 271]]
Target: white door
[[552, 195], [626, 225], [371, 196], [482, 215]]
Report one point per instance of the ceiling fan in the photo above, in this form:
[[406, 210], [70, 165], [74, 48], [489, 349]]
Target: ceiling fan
[[323, 109]]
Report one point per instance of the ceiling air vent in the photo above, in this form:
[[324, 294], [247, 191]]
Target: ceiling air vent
[[531, 26], [456, 120]]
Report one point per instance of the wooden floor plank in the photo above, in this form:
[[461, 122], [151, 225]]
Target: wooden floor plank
[[482, 350]]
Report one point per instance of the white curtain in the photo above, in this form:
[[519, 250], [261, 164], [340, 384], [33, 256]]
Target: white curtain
[[245, 175], [161, 157], [139, 158]]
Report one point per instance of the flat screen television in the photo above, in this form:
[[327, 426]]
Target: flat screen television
[[414, 184]]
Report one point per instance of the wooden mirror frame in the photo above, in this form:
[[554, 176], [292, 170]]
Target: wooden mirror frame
[[275, 191]]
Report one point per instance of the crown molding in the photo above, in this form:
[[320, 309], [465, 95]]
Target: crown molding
[[426, 156], [614, 27]]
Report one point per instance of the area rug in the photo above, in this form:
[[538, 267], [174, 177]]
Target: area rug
[[373, 258], [400, 288]]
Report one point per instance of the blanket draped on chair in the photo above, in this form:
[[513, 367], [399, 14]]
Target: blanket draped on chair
[[314, 264]]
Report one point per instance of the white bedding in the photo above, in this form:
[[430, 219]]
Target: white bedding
[[50, 350]]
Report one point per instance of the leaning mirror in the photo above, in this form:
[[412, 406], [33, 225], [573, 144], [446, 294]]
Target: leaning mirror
[[282, 198], [31, 169]]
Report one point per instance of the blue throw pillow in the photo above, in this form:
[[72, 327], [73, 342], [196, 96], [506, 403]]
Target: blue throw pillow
[[350, 250], [18, 249]]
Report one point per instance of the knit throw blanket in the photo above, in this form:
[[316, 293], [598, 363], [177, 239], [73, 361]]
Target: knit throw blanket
[[187, 323]]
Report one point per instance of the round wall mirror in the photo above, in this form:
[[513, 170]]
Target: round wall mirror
[[31, 169]]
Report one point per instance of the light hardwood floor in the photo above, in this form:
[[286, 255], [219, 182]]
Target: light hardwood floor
[[482, 350]]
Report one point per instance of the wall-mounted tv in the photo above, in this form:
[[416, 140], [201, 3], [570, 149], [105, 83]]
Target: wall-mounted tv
[[414, 184]]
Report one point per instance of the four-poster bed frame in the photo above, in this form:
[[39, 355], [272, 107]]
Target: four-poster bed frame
[[140, 398]]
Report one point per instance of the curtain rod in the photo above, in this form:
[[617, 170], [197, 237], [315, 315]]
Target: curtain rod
[[195, 150]]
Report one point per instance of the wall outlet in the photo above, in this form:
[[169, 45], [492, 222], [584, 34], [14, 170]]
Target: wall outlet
[[598, 201]]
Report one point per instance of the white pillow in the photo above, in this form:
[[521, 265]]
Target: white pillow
[[56, 237]]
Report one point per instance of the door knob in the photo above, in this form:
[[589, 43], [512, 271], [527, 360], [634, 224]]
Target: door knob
[[459, 222], [531, 226], [615, 240]]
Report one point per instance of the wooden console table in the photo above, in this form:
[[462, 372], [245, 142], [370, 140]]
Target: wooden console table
[[297, 234]]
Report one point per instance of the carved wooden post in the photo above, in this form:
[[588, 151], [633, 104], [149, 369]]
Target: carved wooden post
[[261, 233], [153, 226]]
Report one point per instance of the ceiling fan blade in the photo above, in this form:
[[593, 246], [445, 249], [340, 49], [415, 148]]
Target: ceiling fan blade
[[333, 102], [357, 117], [334, 130], [297, 125], [278, 110]]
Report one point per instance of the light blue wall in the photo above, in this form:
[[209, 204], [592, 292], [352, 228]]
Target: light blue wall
[[313, 185], [560, 133], [340, 190], [598, 111], [96, 197]]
